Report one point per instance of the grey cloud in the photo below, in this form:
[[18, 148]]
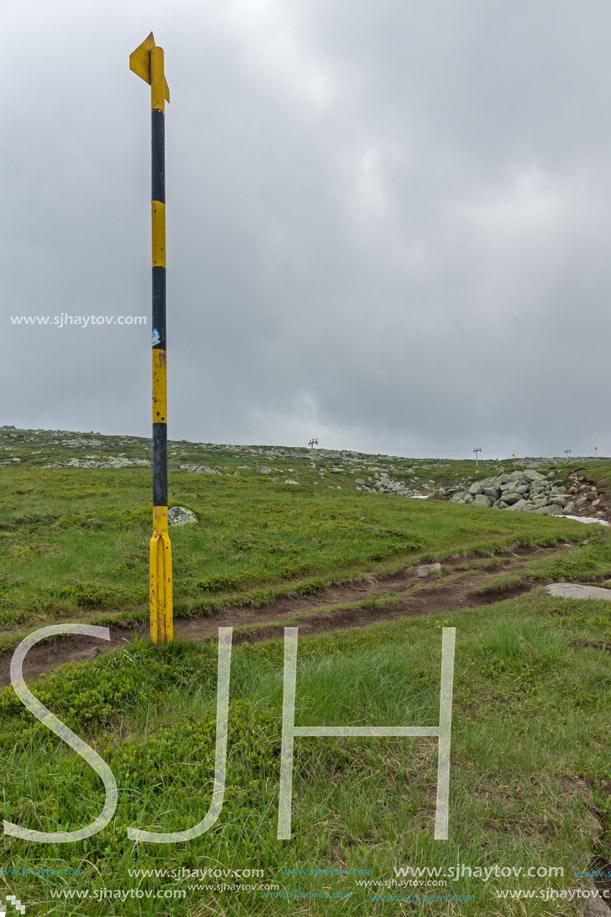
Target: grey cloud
[[387, 222]]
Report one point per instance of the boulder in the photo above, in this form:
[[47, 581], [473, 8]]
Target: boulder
[[428, 569], [519, 507], [178, 515]]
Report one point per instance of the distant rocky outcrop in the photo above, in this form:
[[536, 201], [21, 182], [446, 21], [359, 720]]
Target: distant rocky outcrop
[[384, 484], [116, 462], [526, 491]]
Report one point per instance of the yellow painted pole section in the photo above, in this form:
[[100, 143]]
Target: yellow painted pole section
[[160, 377], [158, 234], [160, 549], [157, 79], [161, 578]]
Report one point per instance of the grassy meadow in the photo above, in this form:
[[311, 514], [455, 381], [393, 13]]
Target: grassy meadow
[[530, 758]]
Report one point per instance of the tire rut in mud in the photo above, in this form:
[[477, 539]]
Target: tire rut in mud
[[436, 595]]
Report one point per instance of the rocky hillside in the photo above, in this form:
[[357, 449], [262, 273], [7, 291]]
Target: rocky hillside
[[530, 491]]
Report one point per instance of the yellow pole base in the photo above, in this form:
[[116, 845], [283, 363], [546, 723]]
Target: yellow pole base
[[162, 630]]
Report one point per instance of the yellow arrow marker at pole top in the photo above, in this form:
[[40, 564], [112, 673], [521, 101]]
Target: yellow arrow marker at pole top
[[140, 63]]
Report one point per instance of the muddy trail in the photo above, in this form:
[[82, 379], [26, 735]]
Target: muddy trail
[[433, 594]]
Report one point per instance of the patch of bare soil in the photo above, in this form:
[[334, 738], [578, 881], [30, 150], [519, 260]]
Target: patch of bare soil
[[435, 596]]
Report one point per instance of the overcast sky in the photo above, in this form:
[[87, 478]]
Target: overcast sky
[[388, 221]]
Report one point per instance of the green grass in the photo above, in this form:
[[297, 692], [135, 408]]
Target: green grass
[[75, 542], [592, 562], [532, 687], [599, 473], [500, 584], [530, 754]]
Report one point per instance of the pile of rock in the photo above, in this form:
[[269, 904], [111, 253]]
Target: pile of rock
[[520, 491], [204, 469], [118, 462], [383, 484]]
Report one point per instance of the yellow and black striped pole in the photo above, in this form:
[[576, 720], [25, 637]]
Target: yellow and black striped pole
[[147, 62]]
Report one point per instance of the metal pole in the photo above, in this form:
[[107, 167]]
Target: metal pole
[[147, 62]]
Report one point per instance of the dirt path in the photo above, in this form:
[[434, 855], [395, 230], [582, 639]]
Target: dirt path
[[435, 596]]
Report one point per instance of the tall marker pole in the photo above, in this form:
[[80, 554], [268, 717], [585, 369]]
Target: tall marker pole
[[147, 62]]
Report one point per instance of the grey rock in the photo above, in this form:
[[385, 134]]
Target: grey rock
[[482, 500], [595, 907], [580, 502], [263, 469], [577, 591], [511, 497], [531, 476], [519, 507], [569, 507], [178, 515], [428, 569], [555, 509]]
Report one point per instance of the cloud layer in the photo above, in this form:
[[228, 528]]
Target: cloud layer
[[387, 222]]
